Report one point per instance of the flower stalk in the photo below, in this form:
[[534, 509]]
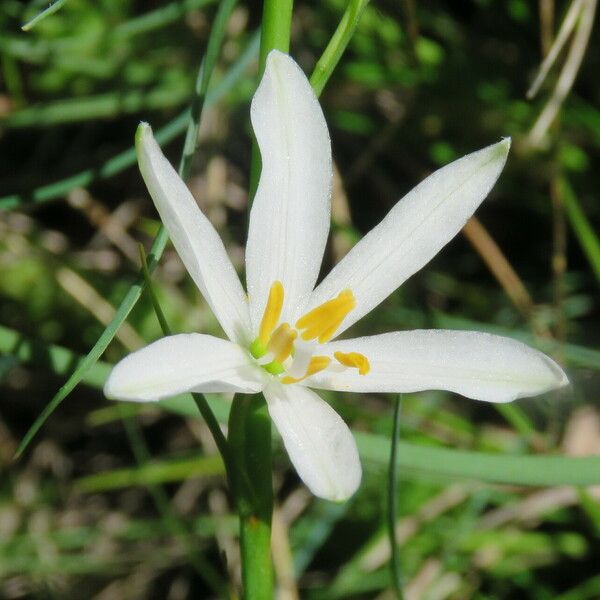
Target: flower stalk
[[249, 421], [250, 446]]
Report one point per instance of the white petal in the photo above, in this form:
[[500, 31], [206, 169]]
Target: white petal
[[319, 443], [477, 365], [289, 221], [194, 238], [188, 362], [413, 232]]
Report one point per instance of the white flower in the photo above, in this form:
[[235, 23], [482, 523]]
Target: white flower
[[280, 334]]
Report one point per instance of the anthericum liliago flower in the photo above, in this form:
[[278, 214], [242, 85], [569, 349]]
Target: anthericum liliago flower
[[281, 333]]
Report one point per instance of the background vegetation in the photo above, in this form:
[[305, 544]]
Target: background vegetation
[[123, 501]]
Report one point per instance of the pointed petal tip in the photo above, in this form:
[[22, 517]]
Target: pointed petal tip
[[501, 149], [282, 62], [142, 130], [560, 377], [277, 55]]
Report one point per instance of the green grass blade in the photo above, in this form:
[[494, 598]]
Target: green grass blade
[[45, 13], [584, 232], [135, 290], [157, 18], [204, 74], [102, 106], [518, 469], [152, 473]]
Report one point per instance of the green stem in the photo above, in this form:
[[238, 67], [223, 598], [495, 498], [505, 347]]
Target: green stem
[[340, 39], [275, 29], [250, 446], [249, 422]]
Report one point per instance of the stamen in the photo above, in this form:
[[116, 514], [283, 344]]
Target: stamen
[[272, 313], [281, 343], [323, 321], [355, 360], [317, 363]]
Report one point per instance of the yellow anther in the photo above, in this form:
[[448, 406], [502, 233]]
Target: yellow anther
[[355, 360], [322, 322], [317, 363], [272, 312], [282, 342]]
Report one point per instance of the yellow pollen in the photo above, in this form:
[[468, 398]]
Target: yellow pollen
[[281, 343], [317, 363], [272, 312], [322, 322], [355, 360]]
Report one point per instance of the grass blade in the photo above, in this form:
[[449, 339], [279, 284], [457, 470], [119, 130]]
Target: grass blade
[[586, 236], [152, 473], [45, 13], [518, 469]]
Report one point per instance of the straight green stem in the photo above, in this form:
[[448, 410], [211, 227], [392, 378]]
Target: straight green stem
[[250, 446], [249, 422], [275, 29]]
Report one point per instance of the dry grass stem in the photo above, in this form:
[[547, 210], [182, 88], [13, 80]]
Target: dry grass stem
[[566, 28], [77, 287], [585, 23]]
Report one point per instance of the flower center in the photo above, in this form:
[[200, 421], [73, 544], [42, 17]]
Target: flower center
[[274, 349]]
